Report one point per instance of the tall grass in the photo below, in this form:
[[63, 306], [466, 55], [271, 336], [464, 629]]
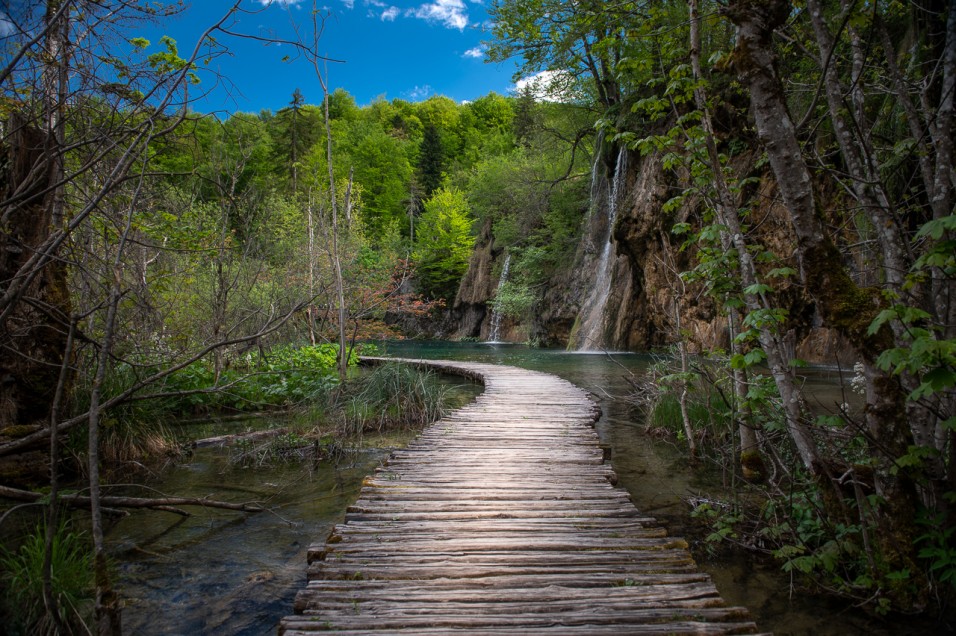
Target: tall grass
[[709, 416], [393, 396], [21, 580]]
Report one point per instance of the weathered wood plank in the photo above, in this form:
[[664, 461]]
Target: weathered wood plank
[[502, 519]]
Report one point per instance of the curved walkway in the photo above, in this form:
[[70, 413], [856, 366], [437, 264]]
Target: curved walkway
[[501, 519]]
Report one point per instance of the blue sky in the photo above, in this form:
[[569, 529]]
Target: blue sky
[[408, 49]]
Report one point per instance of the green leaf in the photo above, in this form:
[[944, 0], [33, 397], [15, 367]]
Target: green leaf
[[781, 272], [680, 228], [672, 204], [940, 378], [881, 318], [757, 288], [937, 227], [755, 357]]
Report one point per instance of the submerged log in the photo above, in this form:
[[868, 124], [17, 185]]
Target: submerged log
[[225, 440], [155, 503]]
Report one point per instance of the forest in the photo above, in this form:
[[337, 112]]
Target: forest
[[745, 187]]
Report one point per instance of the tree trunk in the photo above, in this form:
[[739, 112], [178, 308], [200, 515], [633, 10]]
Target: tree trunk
[[859, 157], [106, 610], [752, 465], [33, 333], [734, 238], [343, 360], [52, 521]]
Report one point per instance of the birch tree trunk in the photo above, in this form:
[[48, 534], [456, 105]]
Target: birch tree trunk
[[734, 237]]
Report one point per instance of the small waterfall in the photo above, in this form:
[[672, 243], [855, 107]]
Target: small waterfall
[[495, 315], [590, 334], [596, 165], [620, 174]]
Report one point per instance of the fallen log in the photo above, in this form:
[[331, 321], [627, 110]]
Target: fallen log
[[155, 503], [223, 440]]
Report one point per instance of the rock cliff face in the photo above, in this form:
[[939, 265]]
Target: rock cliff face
[[621, 289], [471, 309]]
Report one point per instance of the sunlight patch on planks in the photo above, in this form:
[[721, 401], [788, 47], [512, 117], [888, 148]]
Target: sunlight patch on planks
[[502, 518]]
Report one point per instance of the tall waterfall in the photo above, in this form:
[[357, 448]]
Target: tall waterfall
[[590, 334], [495, 314]]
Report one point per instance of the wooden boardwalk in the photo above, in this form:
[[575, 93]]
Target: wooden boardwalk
[[502, 519]]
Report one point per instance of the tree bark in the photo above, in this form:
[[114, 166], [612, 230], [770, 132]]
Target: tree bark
[[52, 521], [33, 333], [106, 611], [343, 361], [734, 238]]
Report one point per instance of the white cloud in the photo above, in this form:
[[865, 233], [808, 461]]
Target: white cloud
[[451, 13], [282, 3], [548, 86], [349, 4], [6, 26], [478, 52], [419, 92], [381, 10]]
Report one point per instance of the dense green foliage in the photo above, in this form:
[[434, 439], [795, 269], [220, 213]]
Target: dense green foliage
[[285, 376], [444, 243]]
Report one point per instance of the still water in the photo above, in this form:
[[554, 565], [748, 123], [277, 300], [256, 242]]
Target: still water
[[221, 572]]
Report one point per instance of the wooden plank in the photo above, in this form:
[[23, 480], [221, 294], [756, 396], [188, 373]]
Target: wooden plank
[[502, 519]]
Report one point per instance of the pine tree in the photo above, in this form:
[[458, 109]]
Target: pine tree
[[431, 161]]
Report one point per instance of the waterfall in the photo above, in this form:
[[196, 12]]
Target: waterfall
[[620, 174], [495, 314], [590, 335]]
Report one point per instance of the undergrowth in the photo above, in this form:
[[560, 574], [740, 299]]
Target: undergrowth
[[783, 513], [24, 609], [389, 398]]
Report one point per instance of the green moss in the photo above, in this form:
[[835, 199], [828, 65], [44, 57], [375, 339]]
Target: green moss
[[847, 307], [572, 337], [752, 466], [17, 431]]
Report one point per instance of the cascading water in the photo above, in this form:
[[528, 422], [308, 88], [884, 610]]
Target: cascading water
[[590, 335], [495, 314]]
